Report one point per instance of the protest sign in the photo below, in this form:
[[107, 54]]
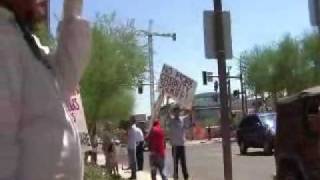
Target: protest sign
[[178, 86], [76, 112]]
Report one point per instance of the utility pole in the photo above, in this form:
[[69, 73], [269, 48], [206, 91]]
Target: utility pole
[[151, 66], [150, 34], [229, 91], [243, 92], [225, 121], [244, 111]]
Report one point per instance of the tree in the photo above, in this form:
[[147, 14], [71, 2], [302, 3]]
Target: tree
[[311, 53], [117, 62], [286, 67]]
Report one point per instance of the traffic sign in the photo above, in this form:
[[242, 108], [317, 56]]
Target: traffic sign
[[209, 35]]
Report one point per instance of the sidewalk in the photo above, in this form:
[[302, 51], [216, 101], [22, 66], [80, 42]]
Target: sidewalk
[[141, 175]]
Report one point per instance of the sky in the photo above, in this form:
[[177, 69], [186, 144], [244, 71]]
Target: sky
[[254, 22]]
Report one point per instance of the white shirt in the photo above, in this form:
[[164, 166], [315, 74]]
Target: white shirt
[[139, 134], [135, 135], [36, 139]]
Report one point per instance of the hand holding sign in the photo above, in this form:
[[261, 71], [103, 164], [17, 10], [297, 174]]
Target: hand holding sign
[[155, 113], [178, 86]]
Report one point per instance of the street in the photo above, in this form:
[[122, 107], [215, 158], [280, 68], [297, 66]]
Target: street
[[205, 162]]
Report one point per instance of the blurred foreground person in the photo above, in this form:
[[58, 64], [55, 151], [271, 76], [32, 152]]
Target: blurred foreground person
[[37, 138]]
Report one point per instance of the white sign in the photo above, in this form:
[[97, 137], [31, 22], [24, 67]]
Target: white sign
[[76, 112], [178, 86], [209, 24]]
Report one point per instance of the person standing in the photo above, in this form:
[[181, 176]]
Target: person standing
[[39, 141], [156, 142], [140, 148], [177, 130], [106, 142], [132, 143], [94, 153]]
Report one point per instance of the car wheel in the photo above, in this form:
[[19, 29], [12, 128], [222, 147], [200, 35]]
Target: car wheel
[[267, 148], [243, 148]]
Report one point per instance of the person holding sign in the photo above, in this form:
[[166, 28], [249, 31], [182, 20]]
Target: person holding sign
[[38, 141], [177, 130]]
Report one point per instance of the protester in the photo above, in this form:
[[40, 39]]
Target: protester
[[178, 127], [140, 148], [94, 152], [111, 160], [132, 142], [156, 141], [38, 141]]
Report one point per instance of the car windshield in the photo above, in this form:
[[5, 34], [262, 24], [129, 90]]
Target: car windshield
[[269, 119]]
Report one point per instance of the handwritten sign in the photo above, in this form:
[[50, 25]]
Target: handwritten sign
[[178, 86], [76, 113]]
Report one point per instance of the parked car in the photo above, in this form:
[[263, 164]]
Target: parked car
[[257, 131]]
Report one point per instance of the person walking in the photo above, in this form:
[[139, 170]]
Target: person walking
[[39, 141], [177, 130], [156, 141], [140, 148], [132, 144]]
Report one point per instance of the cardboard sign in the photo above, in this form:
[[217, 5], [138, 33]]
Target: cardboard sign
[[178, 86], [76, 113]]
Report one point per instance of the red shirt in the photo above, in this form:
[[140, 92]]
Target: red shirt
[[156, 140]]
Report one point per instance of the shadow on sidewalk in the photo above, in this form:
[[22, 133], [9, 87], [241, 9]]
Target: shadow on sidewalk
[[255, 153]]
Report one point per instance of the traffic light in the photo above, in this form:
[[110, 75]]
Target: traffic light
[[140, 87], [216, 86], [236, 93], [174, 36], [204, 77]]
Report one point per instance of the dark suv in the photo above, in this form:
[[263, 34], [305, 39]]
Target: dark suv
[[257, 131]]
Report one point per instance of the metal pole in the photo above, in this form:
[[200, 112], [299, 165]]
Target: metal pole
[[225, 122], [242, 96], [244, 112], [229, 91], [246, 100], [151, 66]]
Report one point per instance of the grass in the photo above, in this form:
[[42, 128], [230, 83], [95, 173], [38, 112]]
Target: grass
[[97, 173]]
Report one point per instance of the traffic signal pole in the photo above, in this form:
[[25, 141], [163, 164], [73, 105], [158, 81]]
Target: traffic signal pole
[[151, 66], [150, 34], [225, 121], [244, 110]]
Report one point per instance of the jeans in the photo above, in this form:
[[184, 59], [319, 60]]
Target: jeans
[[157, 163], [132, 162], [140, 159], [179, 154]]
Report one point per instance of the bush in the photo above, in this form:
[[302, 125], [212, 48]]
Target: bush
[[98, 173]]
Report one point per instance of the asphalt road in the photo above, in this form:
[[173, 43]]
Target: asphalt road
[[205, 163]]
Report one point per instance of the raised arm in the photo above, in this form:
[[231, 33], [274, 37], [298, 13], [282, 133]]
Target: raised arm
[[73, 51]]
